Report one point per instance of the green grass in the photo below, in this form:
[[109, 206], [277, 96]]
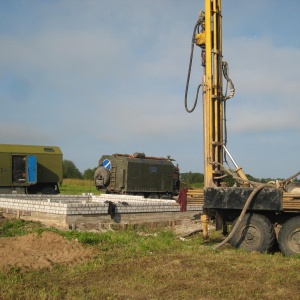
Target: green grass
[[154, 264], [142, 263], [199, 185], [80, 186], [77, 187], [13, 227]]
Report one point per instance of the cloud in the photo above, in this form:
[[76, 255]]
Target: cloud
[[64, 53], [99, 77], [266, 78], [23, 133], [250, 120], [265, 67]]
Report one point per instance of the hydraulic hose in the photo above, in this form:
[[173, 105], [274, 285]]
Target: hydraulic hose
[[190, 69], [248, 202], [225, 69], [246, 206]]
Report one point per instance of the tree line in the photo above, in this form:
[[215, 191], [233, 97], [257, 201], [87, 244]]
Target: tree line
[[189, 178], [71, 171]]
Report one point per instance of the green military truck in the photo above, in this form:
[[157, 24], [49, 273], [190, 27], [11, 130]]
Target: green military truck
[[28, 169], [137, 174]]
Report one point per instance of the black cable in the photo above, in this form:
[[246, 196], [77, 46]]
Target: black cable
[[225, 70], [190, 69], [244, 210]]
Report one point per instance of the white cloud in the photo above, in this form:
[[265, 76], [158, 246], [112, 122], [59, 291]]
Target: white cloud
[[63, 53], [23, 133], [251, 120], [267, 82]]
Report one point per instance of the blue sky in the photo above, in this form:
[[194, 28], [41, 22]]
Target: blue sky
[[108, 76]]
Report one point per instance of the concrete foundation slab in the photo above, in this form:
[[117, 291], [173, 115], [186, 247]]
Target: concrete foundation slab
[[89, 211]]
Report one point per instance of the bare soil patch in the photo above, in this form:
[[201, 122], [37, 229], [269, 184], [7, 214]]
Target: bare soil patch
[[35, 251]]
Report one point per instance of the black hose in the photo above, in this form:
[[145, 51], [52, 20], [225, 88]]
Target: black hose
[[190, 69], [248, 202], [245, 208], [225, 69]]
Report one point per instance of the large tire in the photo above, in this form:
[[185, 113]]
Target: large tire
[[289, 237], [255, 233], [153, 196], [101, 177], [49, 191]]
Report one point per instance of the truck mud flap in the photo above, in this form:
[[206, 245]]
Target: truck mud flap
[[235, 198]]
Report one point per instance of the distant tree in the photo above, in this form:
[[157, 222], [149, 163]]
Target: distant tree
[[231, 181], [197, 177], [266, 180], [88, 174], [191, 178], [70, 170], [251, 178]]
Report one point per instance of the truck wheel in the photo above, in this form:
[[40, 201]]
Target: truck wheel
[[48, 191], [255, 233], [289, 237], [101, 177], [153, 196]]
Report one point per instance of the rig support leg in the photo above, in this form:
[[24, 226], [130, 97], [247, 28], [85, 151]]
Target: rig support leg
[[205, 221]]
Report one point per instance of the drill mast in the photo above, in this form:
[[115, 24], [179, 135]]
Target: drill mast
[[210, 40]]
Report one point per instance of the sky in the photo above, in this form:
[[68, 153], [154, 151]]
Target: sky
[[108, 76]]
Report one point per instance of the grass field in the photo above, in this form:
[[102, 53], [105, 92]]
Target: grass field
[[77, 187], [147, 264]]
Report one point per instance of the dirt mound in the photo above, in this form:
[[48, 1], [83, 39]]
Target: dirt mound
[[35, 251]]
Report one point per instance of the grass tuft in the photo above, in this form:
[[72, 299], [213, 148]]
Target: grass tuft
[[12, 227]]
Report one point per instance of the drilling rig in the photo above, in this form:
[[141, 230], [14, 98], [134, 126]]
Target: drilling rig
[[260, 215]]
